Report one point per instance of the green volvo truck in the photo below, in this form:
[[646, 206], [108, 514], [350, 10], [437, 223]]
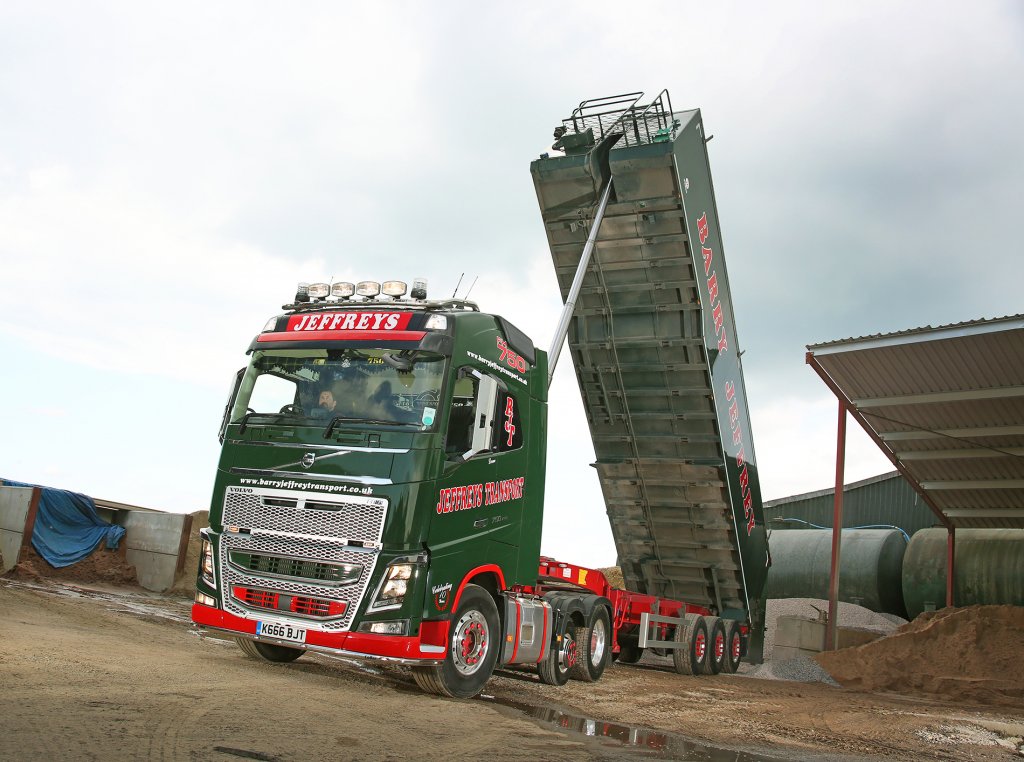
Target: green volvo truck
[[380, 489]]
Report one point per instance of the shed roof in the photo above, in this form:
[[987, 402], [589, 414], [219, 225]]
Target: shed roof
[[946, 405]]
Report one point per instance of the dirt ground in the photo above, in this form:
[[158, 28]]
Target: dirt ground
[[104, 672]]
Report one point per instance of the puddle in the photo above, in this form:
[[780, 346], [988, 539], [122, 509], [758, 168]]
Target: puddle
[[643, 742], [132, 603]]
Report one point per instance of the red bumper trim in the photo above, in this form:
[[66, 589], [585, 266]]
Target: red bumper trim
[[386, 646]]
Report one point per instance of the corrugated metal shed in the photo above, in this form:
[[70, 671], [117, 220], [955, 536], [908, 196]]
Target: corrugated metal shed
[[946, 405], [884, 500]]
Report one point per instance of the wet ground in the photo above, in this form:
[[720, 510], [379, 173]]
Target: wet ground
[[93, 672]]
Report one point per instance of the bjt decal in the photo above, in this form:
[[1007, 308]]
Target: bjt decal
[[510, 428]]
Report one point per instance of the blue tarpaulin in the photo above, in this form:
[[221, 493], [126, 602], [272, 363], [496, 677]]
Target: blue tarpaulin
[[67, 527]]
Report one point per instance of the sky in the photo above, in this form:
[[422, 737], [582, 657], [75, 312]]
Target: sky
[[169, 172]]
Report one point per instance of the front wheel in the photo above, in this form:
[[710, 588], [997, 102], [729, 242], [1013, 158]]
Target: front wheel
[[472, 649], [268, 651], [593, 646]]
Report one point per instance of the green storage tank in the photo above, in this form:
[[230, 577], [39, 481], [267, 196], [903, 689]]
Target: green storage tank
[[870, 568], [989, 568]]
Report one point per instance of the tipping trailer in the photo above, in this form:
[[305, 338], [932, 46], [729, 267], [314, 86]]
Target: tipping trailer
[[629, 210], [380, 494]]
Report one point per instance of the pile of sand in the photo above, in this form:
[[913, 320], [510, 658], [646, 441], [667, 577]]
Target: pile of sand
[[958, 653], [101, 565], [614, 577]]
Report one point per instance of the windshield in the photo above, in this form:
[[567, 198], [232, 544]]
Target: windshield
[[318, 386]]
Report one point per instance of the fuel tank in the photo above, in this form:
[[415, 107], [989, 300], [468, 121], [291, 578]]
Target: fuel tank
[[989, 568], [871, 564]]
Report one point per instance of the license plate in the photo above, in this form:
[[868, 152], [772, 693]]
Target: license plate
[[281, 631]]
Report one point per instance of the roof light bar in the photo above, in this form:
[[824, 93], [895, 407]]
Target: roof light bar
[[319, 290], [419, 288], [343, 289], [368, 288], [394, 288]]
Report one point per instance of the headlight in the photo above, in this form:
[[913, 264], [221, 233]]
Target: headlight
[[394, 586], [207, 561], [437, 322], [205, 599], [392, 627]]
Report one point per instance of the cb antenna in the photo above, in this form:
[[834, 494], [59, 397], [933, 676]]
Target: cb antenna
[[457, 285], [471, 286]]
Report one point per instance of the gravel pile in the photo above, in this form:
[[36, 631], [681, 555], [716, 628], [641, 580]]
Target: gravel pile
[[850, 615], [801, 669]]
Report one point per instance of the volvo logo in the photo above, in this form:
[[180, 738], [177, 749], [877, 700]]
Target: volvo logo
[[308, 459]]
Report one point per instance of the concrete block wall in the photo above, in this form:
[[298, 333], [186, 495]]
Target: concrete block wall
[[17, 519], [798, 636], [155, 543]]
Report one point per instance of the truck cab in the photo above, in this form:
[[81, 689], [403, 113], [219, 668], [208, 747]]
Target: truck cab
[[382, 464]]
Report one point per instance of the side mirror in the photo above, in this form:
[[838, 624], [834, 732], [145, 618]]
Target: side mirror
[[231, 403]]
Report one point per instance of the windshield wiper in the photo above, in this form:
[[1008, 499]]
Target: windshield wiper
[[251, 414], [351, 419]]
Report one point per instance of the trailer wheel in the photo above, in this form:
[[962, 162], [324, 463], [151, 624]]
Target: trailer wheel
[[689, 658], [561, 658], [718, 647], [734, 646], [268, 651], [629, 654], [593, 646], [472, 649]]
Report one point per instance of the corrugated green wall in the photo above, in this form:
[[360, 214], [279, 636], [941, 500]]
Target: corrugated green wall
[[881, 500]]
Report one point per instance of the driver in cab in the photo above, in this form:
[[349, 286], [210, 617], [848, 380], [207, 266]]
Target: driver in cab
[[326, 406]]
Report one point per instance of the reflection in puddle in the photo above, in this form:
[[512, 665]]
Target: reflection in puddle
[[655, 743], [139, 604]]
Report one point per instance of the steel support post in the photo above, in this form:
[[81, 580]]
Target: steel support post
[[577, 282], [832, 626], [950, 564]]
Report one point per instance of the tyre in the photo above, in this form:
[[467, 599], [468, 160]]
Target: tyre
[[718, 648], [630, 654], [473, 643], [561, 658], [593, 646], [268, 651], [734, 646], [690, 656]]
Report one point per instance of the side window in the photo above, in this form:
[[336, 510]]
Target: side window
[[484, 417], [271, 393], [460, 421], [508, 425]]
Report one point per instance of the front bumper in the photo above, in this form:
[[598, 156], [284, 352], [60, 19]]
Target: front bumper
[[426, 649]]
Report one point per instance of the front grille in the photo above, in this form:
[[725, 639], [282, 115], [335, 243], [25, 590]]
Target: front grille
[[353, 518], [317, 608], [280, 566], [309, 576]]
